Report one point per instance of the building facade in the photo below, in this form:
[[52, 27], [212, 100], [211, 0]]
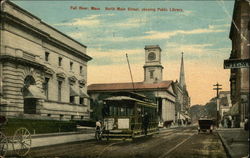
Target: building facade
[[239, 77], [43, 71], [224, 103], [153, 86]]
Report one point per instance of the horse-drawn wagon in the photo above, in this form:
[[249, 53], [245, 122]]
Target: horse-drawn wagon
[[205, 125], [20, 141]]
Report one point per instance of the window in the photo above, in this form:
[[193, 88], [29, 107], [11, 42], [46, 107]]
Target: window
[[71, 66], [111, 110], [48, 115], [61, 117], [72, 99], [46, 88], [59, 90], [72, 117], [81, 101], [151, 74], [81, 117], [60, 61], [46, 56], [81, 72]]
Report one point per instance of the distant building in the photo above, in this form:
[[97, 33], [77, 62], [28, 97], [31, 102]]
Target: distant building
[[239, 77], [182, 103], [224, 103], [43, 72], [153, 86]]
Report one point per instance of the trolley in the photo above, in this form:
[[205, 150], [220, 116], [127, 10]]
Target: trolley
[[129, 115]]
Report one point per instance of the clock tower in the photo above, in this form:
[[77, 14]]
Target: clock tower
[[152, 67]]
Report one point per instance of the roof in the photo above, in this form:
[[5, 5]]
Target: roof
[[152, 47], [121, 98], [164, 85], [224, 92]]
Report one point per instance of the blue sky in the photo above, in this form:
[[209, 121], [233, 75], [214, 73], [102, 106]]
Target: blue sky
[[200, 30]]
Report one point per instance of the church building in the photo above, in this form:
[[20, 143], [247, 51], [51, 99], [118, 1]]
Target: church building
[[182, 103], [153, 86]]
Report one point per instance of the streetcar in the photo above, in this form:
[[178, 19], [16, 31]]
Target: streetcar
[[125, 114]]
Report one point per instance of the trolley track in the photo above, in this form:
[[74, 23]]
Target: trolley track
[[167, 143]]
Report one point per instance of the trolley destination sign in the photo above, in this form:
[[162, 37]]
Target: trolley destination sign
[[236, 63]]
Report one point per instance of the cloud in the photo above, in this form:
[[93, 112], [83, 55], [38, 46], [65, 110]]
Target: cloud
[[115, 56], [131, 22], [113, 52], [92, 20], [169, 34], [198, 53], [81, 22]]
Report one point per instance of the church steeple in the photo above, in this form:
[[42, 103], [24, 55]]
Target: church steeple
[[182, 73]]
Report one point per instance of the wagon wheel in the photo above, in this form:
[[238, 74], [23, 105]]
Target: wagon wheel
[[21, 141], [3, 145]]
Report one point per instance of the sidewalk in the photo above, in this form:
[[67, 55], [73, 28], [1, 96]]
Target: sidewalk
[[40, 140], [235, 141]]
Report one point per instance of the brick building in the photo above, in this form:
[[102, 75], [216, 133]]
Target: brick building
[[240, 55]]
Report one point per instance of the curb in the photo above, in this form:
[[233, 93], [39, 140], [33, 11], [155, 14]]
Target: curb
[[226, 147]]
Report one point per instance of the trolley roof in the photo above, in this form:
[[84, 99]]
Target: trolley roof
[[131, 96]]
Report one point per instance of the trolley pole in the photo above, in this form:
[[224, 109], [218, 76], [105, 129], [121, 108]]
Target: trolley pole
[[130, 73], [217, 88]]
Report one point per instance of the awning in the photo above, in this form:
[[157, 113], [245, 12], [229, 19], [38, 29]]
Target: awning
[[73, 91], [83, 94], [33, 92], [187, 117], [234, 110]]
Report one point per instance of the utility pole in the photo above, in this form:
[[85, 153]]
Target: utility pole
[[217, 88]]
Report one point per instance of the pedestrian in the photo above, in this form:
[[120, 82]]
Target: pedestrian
[[145, 122], [225, 122], [246, 124]]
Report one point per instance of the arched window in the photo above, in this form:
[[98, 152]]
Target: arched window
[[29, 80], [29, 102]]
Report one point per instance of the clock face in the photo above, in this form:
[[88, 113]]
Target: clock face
[[151, 56]]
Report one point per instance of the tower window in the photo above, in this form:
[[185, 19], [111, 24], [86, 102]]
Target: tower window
[[151, 74]]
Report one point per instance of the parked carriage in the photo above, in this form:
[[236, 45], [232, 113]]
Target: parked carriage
[[129, 115], [20, 141]]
